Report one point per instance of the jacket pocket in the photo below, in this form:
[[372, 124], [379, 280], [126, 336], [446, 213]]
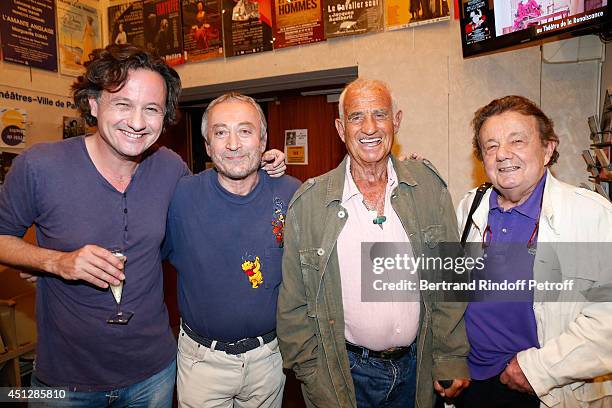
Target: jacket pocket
[[433, 235], [593, 391], [309, 266]]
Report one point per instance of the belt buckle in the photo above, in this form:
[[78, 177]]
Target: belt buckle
[[238, 347], [388, 353], [391, 353]]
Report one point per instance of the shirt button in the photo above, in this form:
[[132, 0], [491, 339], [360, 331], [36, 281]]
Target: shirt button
[[504, 230], [320, 252], [398, 331], [341, 214], [125, 210]]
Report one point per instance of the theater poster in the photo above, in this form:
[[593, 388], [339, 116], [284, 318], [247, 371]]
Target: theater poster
[[126, 24], [247, 26], [79, 34], [27, 29], [410, 13], [13, 123], [297, 22], [350, 17], [477, 21], [162, 29], [202, 29]]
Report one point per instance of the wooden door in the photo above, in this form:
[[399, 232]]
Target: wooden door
[[325, 149]]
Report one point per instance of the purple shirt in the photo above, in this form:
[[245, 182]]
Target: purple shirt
[[56, 187], [497, 330]]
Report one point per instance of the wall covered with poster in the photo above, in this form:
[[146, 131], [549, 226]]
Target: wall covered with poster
[[439, 91]]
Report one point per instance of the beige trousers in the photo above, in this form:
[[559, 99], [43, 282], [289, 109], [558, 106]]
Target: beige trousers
[[209, 378]]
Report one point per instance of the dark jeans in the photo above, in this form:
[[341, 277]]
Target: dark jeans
[[491, 393], [153, 392], [384, 383]]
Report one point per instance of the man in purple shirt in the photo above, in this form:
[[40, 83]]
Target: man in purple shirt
[[531, 352]]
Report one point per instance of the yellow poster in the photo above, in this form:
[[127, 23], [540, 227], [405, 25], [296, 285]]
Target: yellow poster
[[13, 121], [296, 146], [409, 13]]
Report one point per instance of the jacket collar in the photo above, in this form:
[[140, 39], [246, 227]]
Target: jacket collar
[[335, 183], [551, 196]]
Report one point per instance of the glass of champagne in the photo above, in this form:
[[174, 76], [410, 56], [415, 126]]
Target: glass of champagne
[[120, 317]]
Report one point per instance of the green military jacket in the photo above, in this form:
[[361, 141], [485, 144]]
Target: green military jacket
[[310, 320]]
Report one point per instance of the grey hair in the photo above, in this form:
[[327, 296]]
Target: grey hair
[[235, 97], [363, 83]]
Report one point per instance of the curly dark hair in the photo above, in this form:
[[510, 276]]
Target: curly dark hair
[[108, 70], [522, 105]]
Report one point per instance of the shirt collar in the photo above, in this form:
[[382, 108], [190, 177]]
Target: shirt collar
[[350, 188], [530, 208]]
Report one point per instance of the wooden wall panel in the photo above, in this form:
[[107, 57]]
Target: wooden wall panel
[[325, 149]]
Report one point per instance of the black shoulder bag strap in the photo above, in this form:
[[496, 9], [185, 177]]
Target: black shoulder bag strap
[[480, 192]]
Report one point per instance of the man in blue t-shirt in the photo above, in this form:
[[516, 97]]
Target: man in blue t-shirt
[[225, 237], [86, 196]]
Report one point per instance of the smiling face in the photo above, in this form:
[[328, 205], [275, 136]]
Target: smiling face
[[369, 125], [131, 120], [513, 155], [233, 139]]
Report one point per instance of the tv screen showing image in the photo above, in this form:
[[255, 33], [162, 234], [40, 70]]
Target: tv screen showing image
[[492, 25]]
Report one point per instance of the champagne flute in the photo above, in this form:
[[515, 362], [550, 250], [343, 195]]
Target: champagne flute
[[120, 317]]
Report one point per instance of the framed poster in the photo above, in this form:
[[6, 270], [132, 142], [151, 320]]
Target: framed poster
[[162, 30], [79, 34], [126, 24], [245, 28], [297, 22], [13, 127], [350, 17], [28, 33], [202, 29], [410, 13], [296, 146]]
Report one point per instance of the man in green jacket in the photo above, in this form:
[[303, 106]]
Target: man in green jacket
[[346, 350]]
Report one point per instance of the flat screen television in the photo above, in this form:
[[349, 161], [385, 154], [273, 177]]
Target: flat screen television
[[492, 25]]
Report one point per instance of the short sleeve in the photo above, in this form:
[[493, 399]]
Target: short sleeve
[[18, 209]]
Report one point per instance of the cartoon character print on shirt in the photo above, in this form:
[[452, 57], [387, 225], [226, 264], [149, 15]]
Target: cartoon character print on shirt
[[252, 269], [278, 221]]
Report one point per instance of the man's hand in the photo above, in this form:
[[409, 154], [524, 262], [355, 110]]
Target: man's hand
[[28, 276], [411, 156], [454, 390], [273, 162], [90, 263], [514, 378]]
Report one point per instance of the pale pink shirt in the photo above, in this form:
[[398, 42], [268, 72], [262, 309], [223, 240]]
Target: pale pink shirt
[[375, 325]]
